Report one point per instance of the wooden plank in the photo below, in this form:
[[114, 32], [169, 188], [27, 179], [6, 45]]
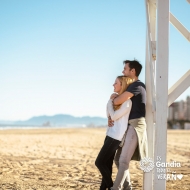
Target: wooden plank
[[178, 88], [148, 177], [152, 71], [161, 87], [150, 86], [180, 27]]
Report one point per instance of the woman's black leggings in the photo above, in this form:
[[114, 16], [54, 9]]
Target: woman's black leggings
[[104, 161]]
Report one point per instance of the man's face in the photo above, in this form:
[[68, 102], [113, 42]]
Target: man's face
[[126, 71]]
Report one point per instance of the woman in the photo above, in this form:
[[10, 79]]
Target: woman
[[119, 114]]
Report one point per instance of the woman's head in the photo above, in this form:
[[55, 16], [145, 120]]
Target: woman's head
[[121, 84]]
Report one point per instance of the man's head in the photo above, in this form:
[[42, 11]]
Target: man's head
[[132, 68]]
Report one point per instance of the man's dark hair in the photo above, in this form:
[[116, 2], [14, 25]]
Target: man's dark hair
[[134, 64]]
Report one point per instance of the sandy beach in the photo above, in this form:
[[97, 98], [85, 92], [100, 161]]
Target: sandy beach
[[63, 159]]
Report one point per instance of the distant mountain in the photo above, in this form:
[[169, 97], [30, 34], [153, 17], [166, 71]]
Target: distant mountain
[[2, 122], [59, 120]]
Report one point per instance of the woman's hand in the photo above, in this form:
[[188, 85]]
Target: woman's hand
[[114, 95]]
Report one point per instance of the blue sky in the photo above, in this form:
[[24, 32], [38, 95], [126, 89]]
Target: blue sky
[[62, 57]]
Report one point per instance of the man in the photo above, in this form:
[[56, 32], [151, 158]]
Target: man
[[135, 145], [132, 69]]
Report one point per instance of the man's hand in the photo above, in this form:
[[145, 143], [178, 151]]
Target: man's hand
[[110, 122], [114, 95]]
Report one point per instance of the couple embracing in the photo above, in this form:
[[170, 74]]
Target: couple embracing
[[126, 137]]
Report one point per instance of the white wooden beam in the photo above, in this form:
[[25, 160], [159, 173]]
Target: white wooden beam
[[161, 87], [152, 71], [153, 46], [148, 176], [152, 18], [178, 88], [153, 2], [180, 27], [150, 85]]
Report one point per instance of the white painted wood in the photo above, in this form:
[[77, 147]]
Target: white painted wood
[[150, 85], [152, 19], [148, 177], [153, 46], [178, 88], [161, 87], [157, 89], [180, 27], [152, 71]]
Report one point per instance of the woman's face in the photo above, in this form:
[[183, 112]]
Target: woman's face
[[117, 85]]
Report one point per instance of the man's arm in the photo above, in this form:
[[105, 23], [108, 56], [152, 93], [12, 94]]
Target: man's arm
[[116, 114], [122, 98]]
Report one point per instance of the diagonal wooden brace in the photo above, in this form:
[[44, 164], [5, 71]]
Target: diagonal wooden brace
[[178, 88], [180, 27]]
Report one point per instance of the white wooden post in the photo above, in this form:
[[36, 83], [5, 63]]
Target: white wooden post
[[151, 51], [150, 85], [148, 177], [161, 87]]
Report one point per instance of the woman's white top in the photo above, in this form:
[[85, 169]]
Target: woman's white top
[[120, 118]]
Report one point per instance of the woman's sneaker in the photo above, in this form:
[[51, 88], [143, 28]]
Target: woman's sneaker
[[129, 187]]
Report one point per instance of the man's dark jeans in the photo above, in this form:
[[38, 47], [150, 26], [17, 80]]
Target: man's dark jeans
[[104, 161]]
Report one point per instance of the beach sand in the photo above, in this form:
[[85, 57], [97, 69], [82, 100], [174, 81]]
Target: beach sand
[[63, 159]]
